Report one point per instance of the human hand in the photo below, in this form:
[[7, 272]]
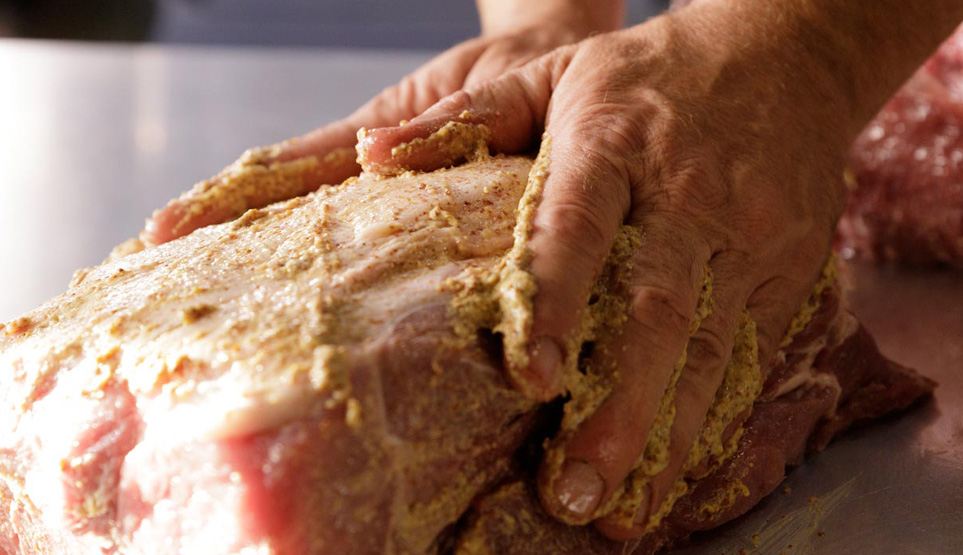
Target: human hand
[[724, 151], [510, 40]]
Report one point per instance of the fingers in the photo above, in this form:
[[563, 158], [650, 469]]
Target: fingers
[[584, 200], [781, 303], [512, 108], [301, 165], [772, 306], [667, 280], [506, 92], [260, 177], [707, 361], [722, 375], [266, 175], [583, 204]]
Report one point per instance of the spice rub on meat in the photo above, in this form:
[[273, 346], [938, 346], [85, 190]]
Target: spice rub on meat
[[333, 374]]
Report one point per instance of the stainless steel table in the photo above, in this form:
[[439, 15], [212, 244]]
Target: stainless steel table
[[895, 487], [92, 138]]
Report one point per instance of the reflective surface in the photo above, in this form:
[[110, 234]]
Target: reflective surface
[[894, 487], [93, 138]]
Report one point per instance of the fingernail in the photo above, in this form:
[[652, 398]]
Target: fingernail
[[579, 488], [642, 514], [546, 360]]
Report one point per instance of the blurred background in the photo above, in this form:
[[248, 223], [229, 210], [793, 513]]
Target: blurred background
[[408, 24]]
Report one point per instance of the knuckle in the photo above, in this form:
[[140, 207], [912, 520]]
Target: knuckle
[[707, 354], [760, 222], [614, 132], [768, 340], [458, 100], [579, 224], [401, 98], [661, 311], [621, 132], [702, 188], [588, 163], [554, 64], [407, 94]]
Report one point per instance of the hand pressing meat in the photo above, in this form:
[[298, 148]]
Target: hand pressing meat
[[514, 33], [717, 132], [324, 376]]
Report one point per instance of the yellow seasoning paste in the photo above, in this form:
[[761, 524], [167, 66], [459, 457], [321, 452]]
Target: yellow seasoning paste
[[256, 178], [828, 277], [501, 300], [626, 501], [456, 140]]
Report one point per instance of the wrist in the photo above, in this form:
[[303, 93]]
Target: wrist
[[580, 18], [784, 67], [839, 61]]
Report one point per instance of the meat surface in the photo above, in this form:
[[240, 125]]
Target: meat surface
[[828, 378], [906, 202], [327, 375]]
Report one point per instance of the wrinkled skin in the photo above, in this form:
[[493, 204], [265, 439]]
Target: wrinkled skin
[[705, 167], [719, 132]]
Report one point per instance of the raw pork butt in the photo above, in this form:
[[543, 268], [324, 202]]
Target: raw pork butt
[[315, 378], [906, 202]]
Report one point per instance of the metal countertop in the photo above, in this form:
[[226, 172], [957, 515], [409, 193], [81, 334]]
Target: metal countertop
[[894, 487], [92, 138], [95, 137]]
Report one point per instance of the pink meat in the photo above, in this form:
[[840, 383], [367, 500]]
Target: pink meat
[[907, 204], [830, 377], [295, 383]]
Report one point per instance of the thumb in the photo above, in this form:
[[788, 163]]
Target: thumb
[[580, 206], [508, 113]]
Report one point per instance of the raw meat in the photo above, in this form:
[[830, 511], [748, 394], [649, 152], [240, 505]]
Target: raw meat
[[829, 377], [906, 202], [322, 376]]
